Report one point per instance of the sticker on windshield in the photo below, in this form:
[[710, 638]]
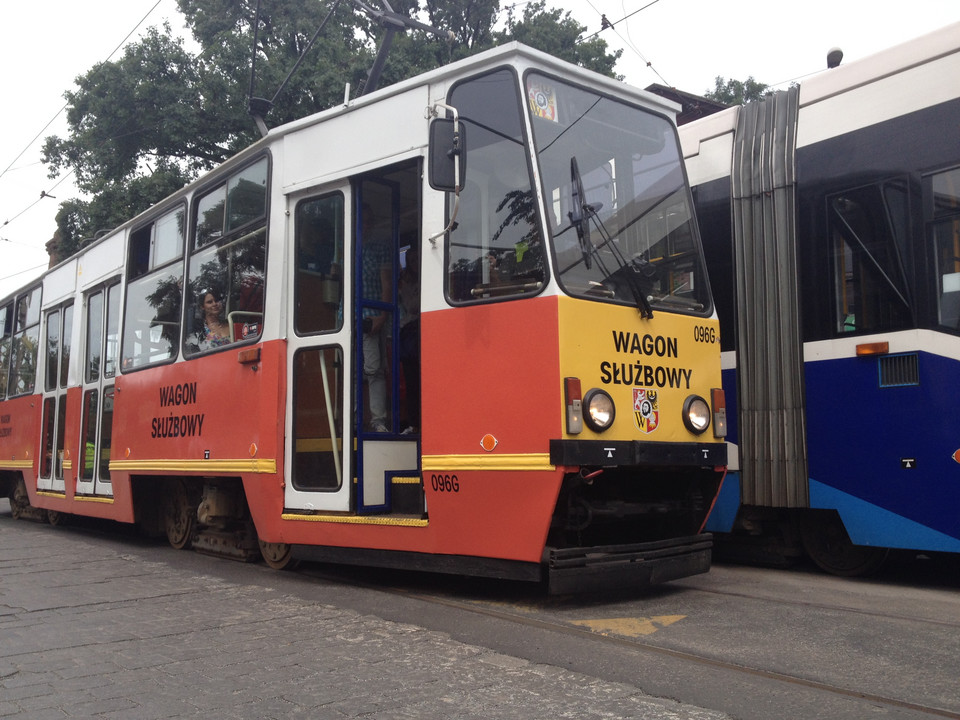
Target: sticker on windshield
[[543, 100]]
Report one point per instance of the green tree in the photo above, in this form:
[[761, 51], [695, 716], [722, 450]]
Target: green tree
[[142, 126], [555, 32], [737, 92]]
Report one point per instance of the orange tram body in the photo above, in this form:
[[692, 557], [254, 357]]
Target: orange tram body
[[461, 324]]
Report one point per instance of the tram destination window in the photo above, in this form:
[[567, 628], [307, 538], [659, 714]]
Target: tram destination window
[[944, 191], [224, 291], [497, 249], [151, 321]]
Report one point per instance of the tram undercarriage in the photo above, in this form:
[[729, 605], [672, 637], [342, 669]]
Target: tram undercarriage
[[209, 515]]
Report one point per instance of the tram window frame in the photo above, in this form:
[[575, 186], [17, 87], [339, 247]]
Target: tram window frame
[[495, 272], [240, 232], [153, 280], [6, 339], [942, 211], [870, 288], [323, 269], [26, 333]]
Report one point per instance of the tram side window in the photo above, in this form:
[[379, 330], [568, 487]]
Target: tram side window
[[151, 321], [869, 281], [58, 348], [319, 262], [6, 322], [101, 357], [945, 197], [318, 437], [497, 249], [226, 271], [26, 340]]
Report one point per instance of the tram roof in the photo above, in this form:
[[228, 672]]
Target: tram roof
[[513, 54]]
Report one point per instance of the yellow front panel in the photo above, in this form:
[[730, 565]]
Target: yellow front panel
[[648, 366]]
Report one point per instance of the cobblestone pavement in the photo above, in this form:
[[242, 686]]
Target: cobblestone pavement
[[92, 627]]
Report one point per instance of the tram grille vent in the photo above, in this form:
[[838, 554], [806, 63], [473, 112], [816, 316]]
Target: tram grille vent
[[899, 370]]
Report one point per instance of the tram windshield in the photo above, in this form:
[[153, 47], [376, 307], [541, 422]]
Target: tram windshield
[[618, 208]]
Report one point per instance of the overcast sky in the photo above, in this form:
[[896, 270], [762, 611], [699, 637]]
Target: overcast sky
[[683, 43]]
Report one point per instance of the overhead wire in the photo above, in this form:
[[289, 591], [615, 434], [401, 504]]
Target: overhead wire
[[45, 194], [606, 24]]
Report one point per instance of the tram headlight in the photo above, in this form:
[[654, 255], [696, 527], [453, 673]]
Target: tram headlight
[[598, 410], [696, 414]]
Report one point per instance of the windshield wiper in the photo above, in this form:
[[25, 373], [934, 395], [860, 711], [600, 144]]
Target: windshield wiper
[[580, 216]]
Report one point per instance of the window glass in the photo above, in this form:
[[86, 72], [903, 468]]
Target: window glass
[[112, 347], [496, 250], [53, 350], [210, 216], [317, 438], [946, 234], [25, 346], [870, 287], [61, 432], [946, 193], [225, 293], [94, 343], [90, 399], [6, 318], [46, 437], [168, 234], [226, 273], [618, 207], [240, 201], [66, 344], [247, 196], [151, 321], [28, 309], [319, 262], [106, 433]]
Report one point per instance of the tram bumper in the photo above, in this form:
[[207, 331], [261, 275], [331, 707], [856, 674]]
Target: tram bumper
[[609, 567]]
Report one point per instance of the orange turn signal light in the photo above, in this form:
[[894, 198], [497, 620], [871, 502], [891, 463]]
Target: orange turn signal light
[[877, 348]]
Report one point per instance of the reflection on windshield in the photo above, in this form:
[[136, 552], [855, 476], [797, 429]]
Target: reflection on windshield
[[617, 204], [497, 251]]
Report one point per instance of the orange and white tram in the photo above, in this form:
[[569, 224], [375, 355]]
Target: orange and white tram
[[461, 324]]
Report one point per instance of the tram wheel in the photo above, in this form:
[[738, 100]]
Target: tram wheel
[[827, 543], [179, 516], [55, 517], [19, 500], [279, 556]]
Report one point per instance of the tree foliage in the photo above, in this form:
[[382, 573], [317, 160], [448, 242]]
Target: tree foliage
[[142, 126], [737, 92]]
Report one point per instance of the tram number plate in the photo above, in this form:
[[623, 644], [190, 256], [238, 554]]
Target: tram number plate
[[445, 483], [704, 334]]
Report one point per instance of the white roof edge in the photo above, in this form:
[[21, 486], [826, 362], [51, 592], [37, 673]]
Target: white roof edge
[[938, 43]]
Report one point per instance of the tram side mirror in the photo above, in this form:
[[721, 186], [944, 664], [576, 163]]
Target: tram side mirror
[[448, 155]]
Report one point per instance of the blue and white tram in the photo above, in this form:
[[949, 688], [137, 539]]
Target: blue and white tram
[[830, 216]]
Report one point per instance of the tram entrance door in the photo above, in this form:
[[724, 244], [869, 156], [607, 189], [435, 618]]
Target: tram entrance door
[[353, 413], [387, 424]]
